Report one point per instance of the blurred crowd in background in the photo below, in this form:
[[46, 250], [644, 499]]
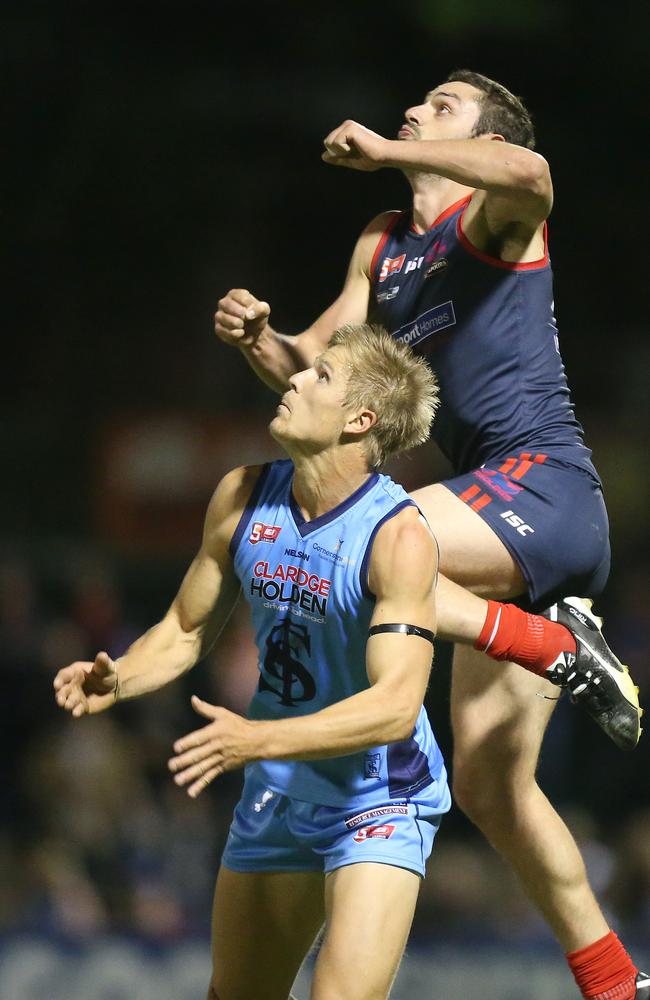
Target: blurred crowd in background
[[157, 156]]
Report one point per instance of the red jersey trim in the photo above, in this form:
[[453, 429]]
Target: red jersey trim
[[383, 240], [444, 215], [505, 265]]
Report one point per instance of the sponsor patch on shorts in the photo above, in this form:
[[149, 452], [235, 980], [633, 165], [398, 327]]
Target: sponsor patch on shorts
[[429, 322], [374, 813], [374, 832], [498, 483]]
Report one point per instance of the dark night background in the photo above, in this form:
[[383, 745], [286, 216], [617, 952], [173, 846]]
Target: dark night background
[[155, 155]]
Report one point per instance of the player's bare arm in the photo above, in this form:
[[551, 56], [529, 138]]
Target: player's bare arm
[[186, 633], [514, 193], [242, 320], [500, 167], [402, 576]]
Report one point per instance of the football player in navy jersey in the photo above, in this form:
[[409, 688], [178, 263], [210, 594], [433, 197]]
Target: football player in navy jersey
[[464, 278]]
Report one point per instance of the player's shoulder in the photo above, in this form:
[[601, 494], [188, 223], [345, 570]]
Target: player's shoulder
[[404, 549], [383, 219], [229, 501], [371, 237], [406, 528], [237, 485], [380, 223]]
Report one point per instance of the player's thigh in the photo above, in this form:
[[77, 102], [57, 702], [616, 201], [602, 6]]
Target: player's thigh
[[499, 713], [263, 925], [369, 911], [471, 554]]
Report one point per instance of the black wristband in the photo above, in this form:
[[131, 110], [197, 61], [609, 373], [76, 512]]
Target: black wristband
[[424, 633]]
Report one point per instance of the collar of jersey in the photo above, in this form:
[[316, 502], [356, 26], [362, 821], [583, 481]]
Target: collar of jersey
[[451, 210], [307, 527]]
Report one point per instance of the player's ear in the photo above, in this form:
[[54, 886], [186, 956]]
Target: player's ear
[[361, 422]]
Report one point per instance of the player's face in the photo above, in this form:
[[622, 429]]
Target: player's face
[[448, 112], [311, 416]]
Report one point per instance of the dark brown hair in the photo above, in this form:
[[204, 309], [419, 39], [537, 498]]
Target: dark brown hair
[[499, 110]]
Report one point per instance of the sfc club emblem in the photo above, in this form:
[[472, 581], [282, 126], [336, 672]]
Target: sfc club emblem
[[282, 672], [264, 532]]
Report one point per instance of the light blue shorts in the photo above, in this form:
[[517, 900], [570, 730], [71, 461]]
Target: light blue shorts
[[273, 833]]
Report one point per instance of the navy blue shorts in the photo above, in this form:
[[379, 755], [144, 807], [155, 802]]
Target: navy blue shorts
[[551, 517]]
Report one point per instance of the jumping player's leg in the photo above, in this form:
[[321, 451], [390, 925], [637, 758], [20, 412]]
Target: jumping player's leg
[[471, 555], [263, 925], [565, 645], [369, 911], [499, 722]]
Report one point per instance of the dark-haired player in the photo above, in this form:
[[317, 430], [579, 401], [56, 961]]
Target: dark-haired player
[[464, 278]]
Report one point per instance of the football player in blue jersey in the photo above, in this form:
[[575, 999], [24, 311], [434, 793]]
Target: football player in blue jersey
[[464, 277], [344, 776]]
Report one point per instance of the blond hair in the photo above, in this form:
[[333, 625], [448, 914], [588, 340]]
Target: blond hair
[[385, 376]]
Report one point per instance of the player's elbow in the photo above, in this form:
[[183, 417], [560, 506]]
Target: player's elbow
[[532, 174], [401, 716], [404, 731]]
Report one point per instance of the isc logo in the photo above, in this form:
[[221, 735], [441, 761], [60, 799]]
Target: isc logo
[[517, 522]]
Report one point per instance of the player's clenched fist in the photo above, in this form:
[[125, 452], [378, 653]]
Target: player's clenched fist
[[84, 687], [353, 145], [240, 318]]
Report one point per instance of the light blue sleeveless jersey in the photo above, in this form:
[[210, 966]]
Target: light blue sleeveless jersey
[[306, 583]]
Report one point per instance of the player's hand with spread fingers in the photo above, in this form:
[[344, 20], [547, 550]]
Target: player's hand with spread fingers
[[226, 743], [353, 145], [85, 688], [240, 318]]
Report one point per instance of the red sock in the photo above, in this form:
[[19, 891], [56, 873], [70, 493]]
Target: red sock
[[604, 970], [530, 640]]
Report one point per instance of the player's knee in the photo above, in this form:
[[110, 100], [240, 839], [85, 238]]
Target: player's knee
[[480, 791], [491, 792], [470, 794]]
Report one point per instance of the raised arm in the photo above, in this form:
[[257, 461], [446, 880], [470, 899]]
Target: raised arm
[[516, 182], [402, 574], [243, 321], [186, 633]]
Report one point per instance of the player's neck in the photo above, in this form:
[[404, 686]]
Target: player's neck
[[432, 195], [322, 482]]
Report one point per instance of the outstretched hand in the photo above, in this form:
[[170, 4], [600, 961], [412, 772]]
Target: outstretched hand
[[353, 145], [85, 688], [225, 744]]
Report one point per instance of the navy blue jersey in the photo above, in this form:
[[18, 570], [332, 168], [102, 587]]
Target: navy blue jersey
[[488, 330], [307, 586]]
